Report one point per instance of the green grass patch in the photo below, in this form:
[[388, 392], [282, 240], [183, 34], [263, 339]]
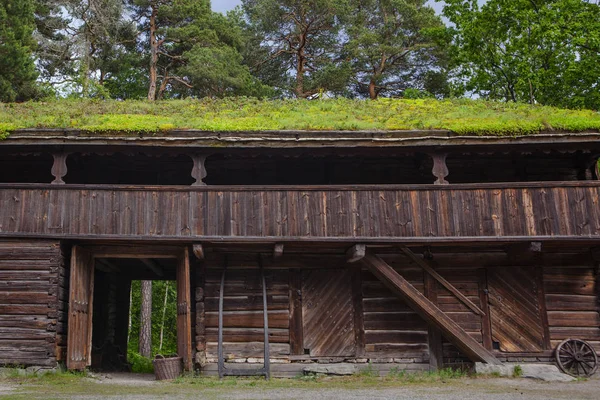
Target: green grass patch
[[139, 363], [465, 117]]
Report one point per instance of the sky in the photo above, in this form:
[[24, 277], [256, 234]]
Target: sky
[[225, 5]]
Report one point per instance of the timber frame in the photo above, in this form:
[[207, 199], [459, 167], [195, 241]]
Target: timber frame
[[396, 248]]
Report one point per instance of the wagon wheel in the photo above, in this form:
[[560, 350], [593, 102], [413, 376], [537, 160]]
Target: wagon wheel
[[576, 358]]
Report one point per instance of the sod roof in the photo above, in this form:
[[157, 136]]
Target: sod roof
[[461, 117]]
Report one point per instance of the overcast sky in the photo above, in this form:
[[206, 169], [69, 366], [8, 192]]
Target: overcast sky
[[224, 5]]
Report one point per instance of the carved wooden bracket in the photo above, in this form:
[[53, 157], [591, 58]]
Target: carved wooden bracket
[[440, 169], [59, 168], [198, 250], [199, 170]]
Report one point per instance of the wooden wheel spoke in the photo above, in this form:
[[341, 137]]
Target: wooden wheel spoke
[[576, 357]]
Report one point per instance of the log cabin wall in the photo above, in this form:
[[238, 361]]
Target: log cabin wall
[[243, 309], [32, 292], [572, 303], [514, 290]]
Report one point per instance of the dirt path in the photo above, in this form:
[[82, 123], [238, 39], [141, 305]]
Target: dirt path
[[142, 387]]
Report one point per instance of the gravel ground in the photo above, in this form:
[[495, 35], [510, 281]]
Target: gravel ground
[[142, 387]]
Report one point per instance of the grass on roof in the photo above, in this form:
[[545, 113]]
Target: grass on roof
[[465, 117]]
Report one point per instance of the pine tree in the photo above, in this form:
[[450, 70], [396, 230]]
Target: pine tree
[[17, 68]]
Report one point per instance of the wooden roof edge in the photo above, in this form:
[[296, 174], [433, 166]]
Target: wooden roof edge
[[194, 138]]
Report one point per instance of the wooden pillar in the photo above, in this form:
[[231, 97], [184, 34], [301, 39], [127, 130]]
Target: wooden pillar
[[440, 169], [199, 169], [296, 323], [541, 293], [59, 168], [434, 337], [359, 319], [486, 322]]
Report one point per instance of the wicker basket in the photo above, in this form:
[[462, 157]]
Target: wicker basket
[[167, 367]]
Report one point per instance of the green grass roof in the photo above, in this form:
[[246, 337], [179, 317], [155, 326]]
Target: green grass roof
[[464, 117]]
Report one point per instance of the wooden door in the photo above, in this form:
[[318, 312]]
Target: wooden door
[[327, 313], [184, 321], [515, 310], [81, 296]]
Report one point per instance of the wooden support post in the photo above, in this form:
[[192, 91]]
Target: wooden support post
[[277, 251], [541, 293], [199, 170], [440, 169], [359, 319], [434, 337], [296, 324], [356, 253], [59, 168], [153, 266], [428, 311], [423, 264], [198, 250], [486, 322]]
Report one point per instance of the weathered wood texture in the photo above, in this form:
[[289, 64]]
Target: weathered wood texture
[[328, 313], [572, 304], [392, 328], [243, 332], [427, 310], [515, 310], [456, 212], [31, 304]]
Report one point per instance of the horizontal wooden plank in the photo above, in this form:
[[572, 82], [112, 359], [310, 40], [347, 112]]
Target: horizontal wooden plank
[[395, 336], [248, 349], [248, 335], [573, 319], [561, 302], [248, 319]]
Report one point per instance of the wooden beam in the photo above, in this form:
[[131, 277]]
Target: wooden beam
[[198, 250], [484, 301], [154, 266], [428, 311], [296, 322], [356, 253], [423, 264], [277, 250]]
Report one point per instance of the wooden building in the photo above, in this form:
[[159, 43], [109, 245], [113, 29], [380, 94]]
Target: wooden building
[[404, 249]]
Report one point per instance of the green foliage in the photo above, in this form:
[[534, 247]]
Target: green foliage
[[17, 69], [517, 371], [543, 52], [394, 45], [465, 117], [139, 364], [296, 46], [170, 323], [369, 371]]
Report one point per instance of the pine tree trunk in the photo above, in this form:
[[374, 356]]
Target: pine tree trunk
[[162, 324], [153, 53], [146, 320]]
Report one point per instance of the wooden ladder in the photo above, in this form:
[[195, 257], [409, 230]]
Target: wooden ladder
[[266, 368]]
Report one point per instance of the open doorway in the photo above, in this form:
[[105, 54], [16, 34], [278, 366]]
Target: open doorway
[[99, 301]]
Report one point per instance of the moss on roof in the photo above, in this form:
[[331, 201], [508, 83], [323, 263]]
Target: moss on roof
[[465, 117]]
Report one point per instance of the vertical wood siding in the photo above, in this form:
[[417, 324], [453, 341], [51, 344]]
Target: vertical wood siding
[[459, 211]]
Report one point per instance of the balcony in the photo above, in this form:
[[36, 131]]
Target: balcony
[[373, 214]]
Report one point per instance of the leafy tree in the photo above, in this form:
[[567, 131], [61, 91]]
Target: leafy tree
[[299, 44], [192, 50], [536, 51], [84, 45], [17, 68], [396, 45]]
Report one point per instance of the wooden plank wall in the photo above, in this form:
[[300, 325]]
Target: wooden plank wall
[[31, 276], [392, 328], [243, 308], [572, 304], [451, 211]]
